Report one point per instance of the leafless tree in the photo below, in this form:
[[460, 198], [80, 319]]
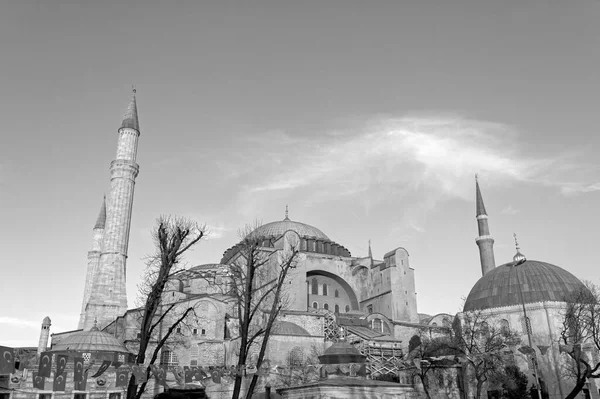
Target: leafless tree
[[424, 360], [301, 368], [483, 343], [173, 237], [256, 278], [580, 336]]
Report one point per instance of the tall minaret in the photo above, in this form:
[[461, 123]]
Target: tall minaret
[[44, 335], [93, 258], [108, 297], [485, 241]]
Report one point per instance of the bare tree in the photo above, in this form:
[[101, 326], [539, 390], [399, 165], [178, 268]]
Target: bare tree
[[483, 344], [580, 336], [173, 237], [301, 368], [256, 278], [426, 356]]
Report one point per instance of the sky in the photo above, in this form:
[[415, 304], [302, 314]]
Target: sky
[[368, 119]]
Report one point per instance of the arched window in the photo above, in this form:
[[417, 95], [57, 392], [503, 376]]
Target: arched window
[[315, 287], [336, 294], [337, 309], [504, 326], [347, 308], [326, 306], [315, 305], [377, 325], [296, 356], [325, 289]]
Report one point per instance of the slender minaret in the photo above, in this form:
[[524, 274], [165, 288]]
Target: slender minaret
[[485, 241], [44, 335], [93, 258], [108, 297]]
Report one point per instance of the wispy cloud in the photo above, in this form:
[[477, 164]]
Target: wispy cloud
[[15, 322], [509, 210], [437, 154]]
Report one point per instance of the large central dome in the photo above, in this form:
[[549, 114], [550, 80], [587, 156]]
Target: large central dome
[[277, 229], [271, 235], [540, 282]]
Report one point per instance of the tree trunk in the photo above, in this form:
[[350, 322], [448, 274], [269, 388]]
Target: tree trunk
[[577, 389], [479, 389]]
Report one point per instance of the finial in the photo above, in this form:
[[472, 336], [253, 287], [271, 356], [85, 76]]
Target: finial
[[286, 213], [476, 178], [370, 252], [519, 257], [96, 322]]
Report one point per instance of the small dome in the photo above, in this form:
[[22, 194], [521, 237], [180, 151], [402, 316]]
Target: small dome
[[93, 340], [288, 328], [341, 352], [46, 321], [540, 282], [277, 229]]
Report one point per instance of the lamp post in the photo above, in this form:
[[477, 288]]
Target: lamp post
[[518, 260]]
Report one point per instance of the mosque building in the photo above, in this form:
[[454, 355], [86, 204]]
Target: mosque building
[[360, 302], [527, 296]]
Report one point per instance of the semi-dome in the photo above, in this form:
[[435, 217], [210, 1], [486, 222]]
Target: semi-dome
[[278, 228], [540, 282], [283, 327], [93, 340]]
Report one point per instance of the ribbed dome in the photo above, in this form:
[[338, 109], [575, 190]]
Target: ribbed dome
[[93, 340], [539, 281], [341, 352], [276, 229]]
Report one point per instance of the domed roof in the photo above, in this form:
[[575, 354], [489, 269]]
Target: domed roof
[[288, 328], [93, 340], [539, 282], [341, 352], [277, 229]]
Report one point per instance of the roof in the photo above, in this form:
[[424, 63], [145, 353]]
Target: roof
[[93, 340], [479, 200], [101, 221], [341, 352], [539, 281], [130, 119], [277, 229]]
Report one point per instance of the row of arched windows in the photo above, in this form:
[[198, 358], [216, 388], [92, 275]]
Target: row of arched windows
[[336, 309], [315, 289]]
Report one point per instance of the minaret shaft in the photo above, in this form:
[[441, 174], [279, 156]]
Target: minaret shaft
[[484, 241], [108, 297]]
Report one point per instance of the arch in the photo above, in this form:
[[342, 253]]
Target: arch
[[326, 306], [315, 305], [340, 281], [337, 308], [314, 287], [358, 269], [347, 308], [336, 294], [324, 289], [504, 326]]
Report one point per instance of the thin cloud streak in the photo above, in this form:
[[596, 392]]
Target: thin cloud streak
[[15, 322]]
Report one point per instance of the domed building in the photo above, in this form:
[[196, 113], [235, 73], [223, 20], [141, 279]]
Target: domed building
[[511, 293]]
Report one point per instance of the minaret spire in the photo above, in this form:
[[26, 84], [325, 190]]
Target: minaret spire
[[484, 241], [101, 221], [130, 119]]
